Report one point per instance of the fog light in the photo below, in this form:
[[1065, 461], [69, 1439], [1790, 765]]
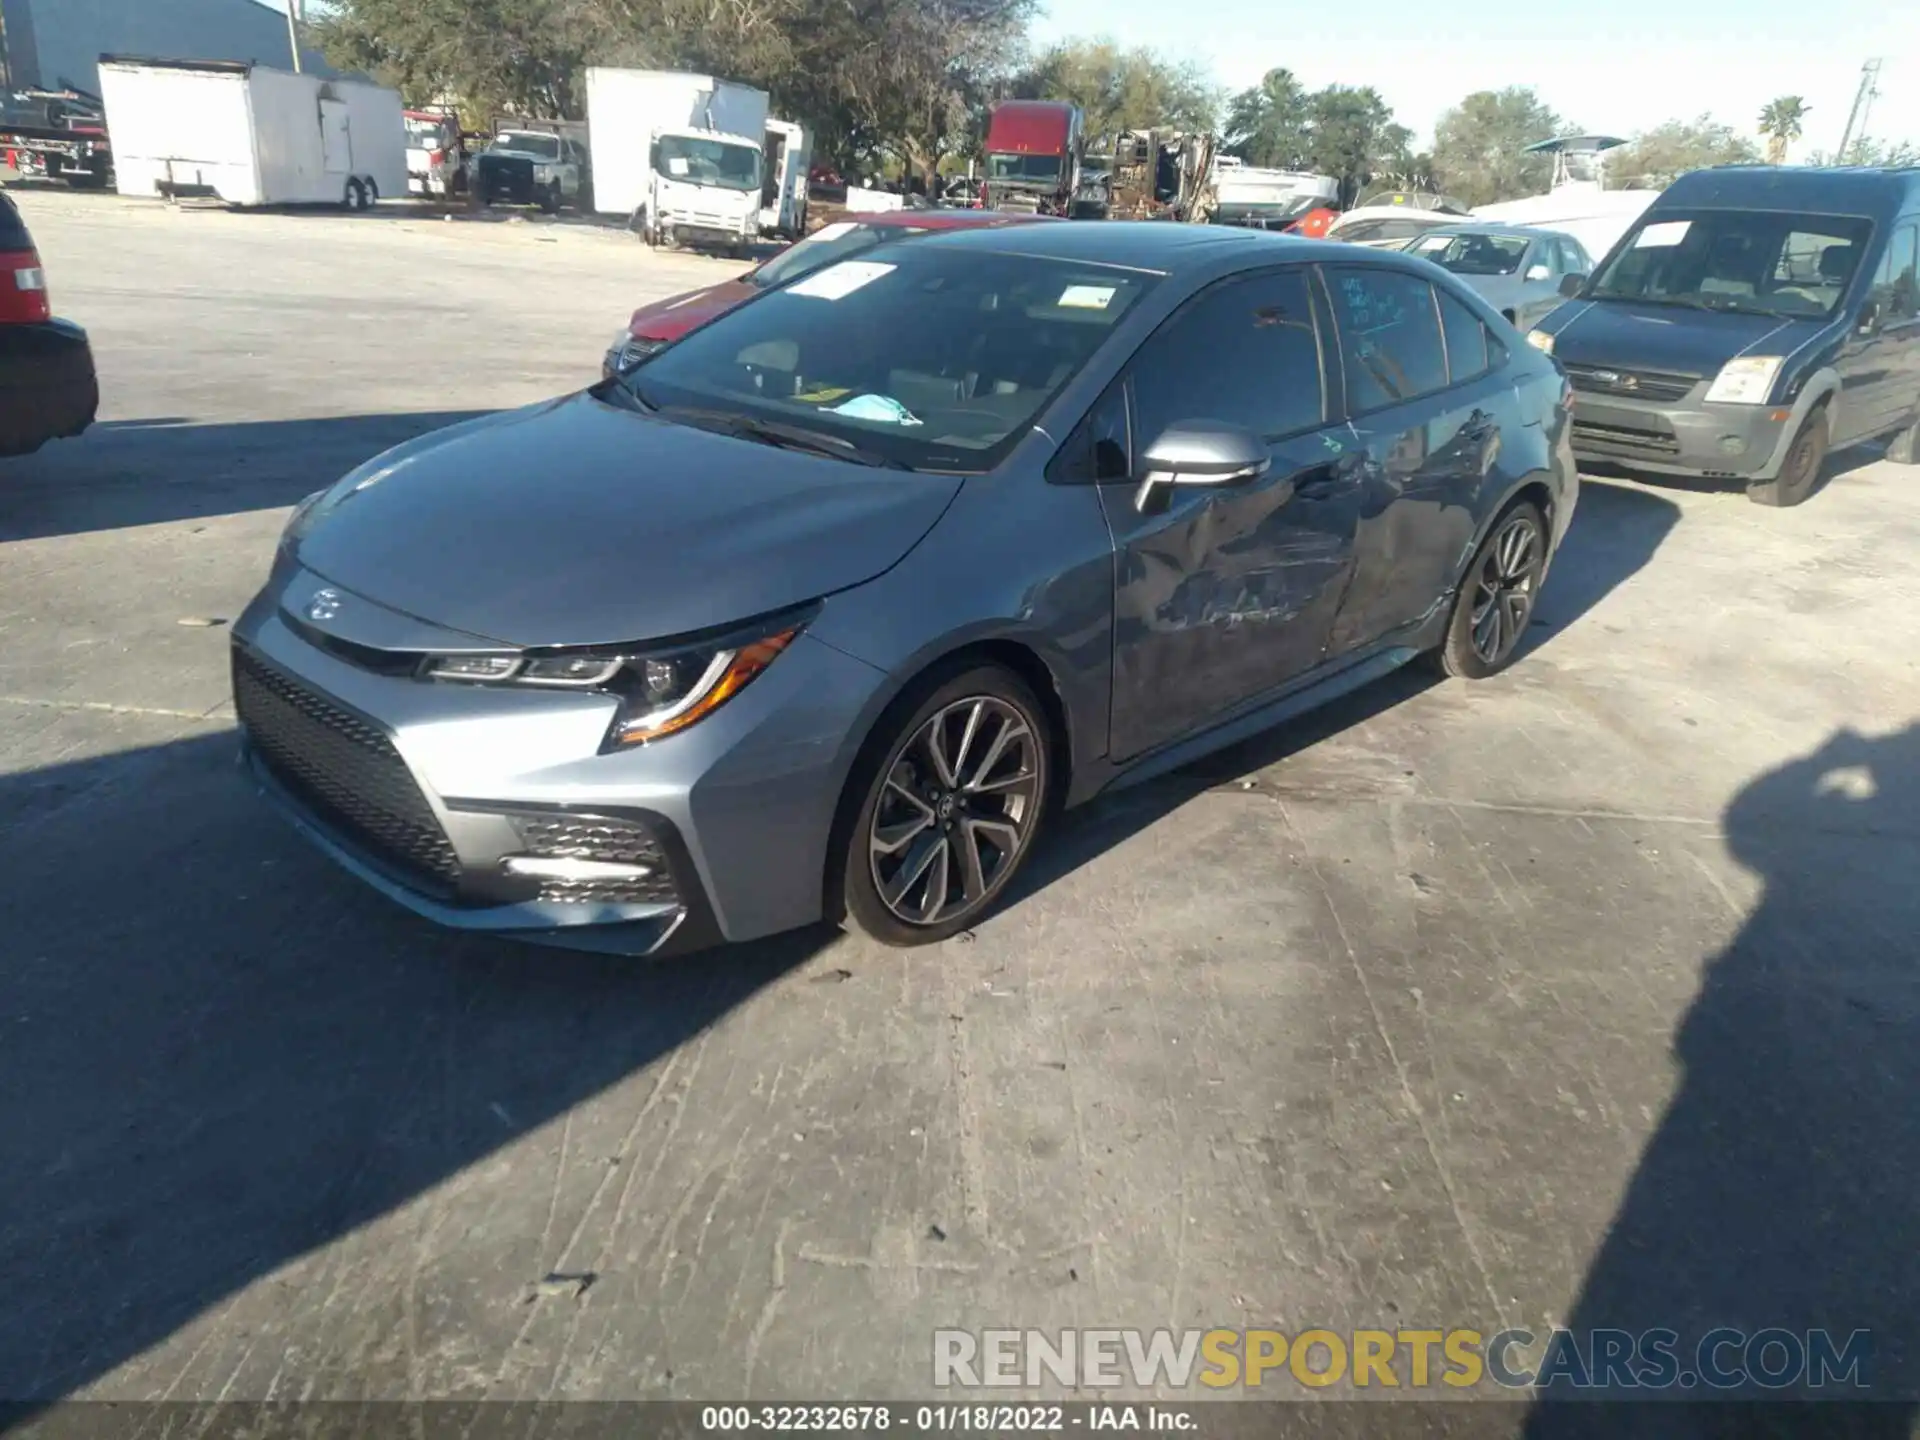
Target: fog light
[[1732, 444]]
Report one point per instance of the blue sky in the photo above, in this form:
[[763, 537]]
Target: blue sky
[[1612, 66]]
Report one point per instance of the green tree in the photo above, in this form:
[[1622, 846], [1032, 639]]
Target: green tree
[[1352, 136], [1270, 123], [1781, 122], [1659, 156], [1479, 146], [1118, 88]]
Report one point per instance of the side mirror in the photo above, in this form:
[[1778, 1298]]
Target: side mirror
[[1570, 285], [1538, 272], [1198, 452], [1869, 323]]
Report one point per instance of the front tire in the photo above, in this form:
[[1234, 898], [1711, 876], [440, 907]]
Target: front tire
[[949, 808], [1801, 472], [1496, 599]]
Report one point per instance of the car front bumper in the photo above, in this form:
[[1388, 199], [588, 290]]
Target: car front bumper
[[1687, 437], [48, 390], [493, 809]]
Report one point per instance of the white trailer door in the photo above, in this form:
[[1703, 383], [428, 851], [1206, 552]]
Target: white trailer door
[[336, 138]]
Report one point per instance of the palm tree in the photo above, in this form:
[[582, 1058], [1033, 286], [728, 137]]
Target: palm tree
[[1780, 122]]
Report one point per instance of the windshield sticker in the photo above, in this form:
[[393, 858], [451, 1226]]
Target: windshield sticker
[[838, 281], [822, 395], [1087, 297], [676, 164], [1662, 233], [882, 408], [834, 231]]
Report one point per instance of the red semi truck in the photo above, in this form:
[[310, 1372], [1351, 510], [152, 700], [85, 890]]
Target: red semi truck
[[1034, 149]]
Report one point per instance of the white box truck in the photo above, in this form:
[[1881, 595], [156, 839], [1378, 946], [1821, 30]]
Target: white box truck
[[783, 193], [251, 135], [679, 155]]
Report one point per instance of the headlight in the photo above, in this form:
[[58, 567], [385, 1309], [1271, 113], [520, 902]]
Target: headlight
[[1745, 380], [659, 693], [1541, 341], [628, 350]]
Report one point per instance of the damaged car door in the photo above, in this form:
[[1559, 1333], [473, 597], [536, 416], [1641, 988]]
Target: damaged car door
[[1234, 527]]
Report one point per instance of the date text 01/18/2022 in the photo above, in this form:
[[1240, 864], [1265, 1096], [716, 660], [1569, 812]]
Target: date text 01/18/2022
[[910, 1419]]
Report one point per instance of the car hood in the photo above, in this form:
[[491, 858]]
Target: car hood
[[575, 522], [673, 317], [1680, 341]]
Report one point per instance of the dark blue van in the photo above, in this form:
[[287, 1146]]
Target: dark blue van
[[1752, 319]]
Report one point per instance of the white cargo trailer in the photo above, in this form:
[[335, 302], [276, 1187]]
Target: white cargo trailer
[[251, 135], [680, 155]]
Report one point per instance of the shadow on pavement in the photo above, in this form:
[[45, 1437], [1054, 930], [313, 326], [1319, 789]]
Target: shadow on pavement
[[1779, 1192], [221, 1053], [145, 472]]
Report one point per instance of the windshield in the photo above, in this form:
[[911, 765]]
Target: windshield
[[547, 147], [1760, 261], [1023, 167], [992, 339], [838, 241], [1473, 254], [708, 162], [426, 134]]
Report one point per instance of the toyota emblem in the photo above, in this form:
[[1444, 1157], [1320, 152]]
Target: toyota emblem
[[324, 605]]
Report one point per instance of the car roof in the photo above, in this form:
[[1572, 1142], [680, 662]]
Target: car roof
[[1494, 227], [1163, 246], [943, 219], [1856, 190]]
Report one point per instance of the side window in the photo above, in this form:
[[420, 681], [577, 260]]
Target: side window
[[1389, 336], [1469, 351], [1362, 230], [1098, 450], [1903, 290], [1245, 352]]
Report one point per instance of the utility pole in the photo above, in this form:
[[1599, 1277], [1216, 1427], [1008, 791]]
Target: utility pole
[[1862, 103], [293, 31]]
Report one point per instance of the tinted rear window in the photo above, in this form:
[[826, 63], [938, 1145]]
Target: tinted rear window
[[13, 230]]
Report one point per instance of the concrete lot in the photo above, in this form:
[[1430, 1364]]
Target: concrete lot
[[1586, 995]]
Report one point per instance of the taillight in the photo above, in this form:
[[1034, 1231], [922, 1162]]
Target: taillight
[[436, 157], [23, 288]]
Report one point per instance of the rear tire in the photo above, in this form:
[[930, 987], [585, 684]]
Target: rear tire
[[354, 199], [928, 854], [1497, 597], [1904, 448], [1801, 472]]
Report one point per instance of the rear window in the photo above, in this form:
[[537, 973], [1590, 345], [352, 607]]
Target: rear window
[[936, 359], [13, 230]]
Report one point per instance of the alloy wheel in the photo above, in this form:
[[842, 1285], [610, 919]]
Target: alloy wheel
[[1505, 586], [956, 810]]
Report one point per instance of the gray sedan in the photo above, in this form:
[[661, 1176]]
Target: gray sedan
[[824, 608], [1516, 269]]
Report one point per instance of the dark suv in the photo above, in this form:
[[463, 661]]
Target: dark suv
[[47, 385], [1752, 319]]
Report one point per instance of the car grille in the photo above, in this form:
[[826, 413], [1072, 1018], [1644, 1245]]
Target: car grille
[[345, 769], [1620, 440], [604, 838], [1635, 384]]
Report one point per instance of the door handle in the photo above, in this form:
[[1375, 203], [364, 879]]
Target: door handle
[[1322, 478]]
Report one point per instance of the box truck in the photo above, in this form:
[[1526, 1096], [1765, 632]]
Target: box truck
[[251, 135], [679, 155], [786, 159]]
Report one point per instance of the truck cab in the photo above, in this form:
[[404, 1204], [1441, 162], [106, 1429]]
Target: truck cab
[[1034, 149], [436, 153], [706, 190]]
